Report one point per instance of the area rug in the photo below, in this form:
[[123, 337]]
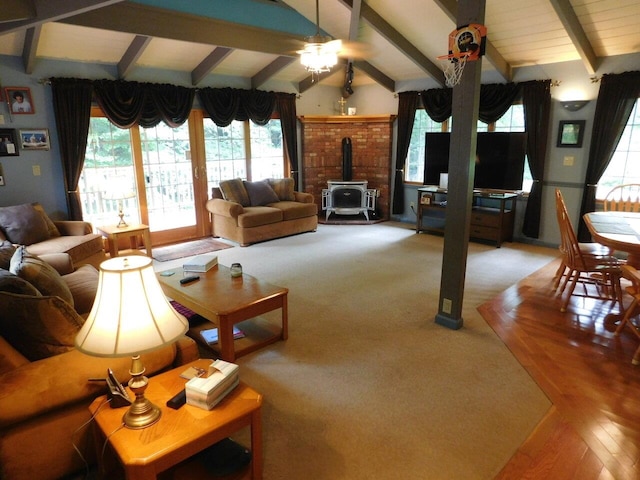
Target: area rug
[[187, 249]]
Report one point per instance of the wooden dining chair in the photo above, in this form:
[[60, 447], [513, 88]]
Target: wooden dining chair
[[623, 198], [592, 266], [632, 311]]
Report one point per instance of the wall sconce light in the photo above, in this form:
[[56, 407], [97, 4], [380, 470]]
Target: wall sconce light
[[574, 105]]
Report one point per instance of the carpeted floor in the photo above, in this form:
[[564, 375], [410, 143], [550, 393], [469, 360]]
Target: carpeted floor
[[368, 386], [188, 249]]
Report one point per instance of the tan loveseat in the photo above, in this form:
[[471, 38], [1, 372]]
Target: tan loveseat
[[46, 390], [251, 212], [29, 225]]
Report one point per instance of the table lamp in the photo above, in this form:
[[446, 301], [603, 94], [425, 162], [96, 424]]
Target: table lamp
[[130, 316], [120, 190]]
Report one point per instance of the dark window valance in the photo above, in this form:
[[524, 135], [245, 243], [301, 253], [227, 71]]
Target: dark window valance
[[147, 104], [224, 105]]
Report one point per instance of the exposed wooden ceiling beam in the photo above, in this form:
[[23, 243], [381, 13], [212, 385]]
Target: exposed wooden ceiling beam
[[29, 48], [208, 64], [130, 57], [450, 8], [52, 11], [376, 74], [157, 22], [270, 70], [400, 42], [574, 29]]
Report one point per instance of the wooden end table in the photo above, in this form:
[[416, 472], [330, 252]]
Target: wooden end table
[[113, 232], [179, 434], [225, 301]]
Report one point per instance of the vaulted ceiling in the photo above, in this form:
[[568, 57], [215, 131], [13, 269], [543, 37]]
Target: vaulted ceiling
[[256, 40]]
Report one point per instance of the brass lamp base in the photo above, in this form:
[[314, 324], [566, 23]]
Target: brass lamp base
[[121, 223], [142, 413]]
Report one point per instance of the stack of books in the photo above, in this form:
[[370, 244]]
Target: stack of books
[[201, 263], [206, 393]]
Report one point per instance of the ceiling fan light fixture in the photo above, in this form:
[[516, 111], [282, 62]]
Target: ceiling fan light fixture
[[320, 54]]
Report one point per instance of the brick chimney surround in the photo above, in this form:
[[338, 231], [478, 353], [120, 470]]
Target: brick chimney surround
[[371, 137]]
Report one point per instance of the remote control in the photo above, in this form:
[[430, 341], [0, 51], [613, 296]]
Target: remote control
[[186, 280], [177, 401]]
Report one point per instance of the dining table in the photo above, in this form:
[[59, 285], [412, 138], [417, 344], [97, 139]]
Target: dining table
[[617, 230]]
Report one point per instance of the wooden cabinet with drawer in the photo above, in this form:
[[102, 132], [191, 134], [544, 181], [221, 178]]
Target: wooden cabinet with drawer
[[492, 214]]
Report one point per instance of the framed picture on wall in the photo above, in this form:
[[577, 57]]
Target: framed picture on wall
[[19, 100], [570, 133], [34, 139], [8, 143]]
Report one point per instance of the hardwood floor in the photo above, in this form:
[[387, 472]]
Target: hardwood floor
[[592, 430]]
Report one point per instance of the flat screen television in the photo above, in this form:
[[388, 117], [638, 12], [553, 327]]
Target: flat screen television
[[501, 159]]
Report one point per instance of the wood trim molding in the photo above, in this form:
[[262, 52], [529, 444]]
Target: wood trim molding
[[347, 118]]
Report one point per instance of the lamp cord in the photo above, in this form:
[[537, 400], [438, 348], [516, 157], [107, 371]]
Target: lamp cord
[[77, 431], [106, 442]]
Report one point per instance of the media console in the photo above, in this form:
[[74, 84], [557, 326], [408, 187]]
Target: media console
[[493, 213]]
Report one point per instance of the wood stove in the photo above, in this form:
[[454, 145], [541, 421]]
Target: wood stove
[[348, 198]]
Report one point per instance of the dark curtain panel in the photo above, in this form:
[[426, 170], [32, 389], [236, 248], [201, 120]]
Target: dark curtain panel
[[407, 104], [536, 98], [146, 104], [437, 103], [286, 105], [616, 98], [72, 108]]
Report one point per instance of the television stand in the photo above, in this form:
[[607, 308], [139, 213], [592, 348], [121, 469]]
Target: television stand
[[493, 213]]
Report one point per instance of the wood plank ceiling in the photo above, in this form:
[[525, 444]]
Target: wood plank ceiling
[[257, 41]]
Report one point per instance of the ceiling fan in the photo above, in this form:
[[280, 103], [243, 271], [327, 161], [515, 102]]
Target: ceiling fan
[[321, 52]]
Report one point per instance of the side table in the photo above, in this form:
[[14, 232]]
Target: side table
[[113, 232], [179, 434]]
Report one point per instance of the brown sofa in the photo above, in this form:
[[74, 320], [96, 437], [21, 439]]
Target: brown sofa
[[29, 225], [251, 212], [45, 382]]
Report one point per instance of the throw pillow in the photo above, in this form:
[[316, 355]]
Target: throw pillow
[[40, 274], [283, 188], [7, 249], [23, 224], [51, 227], [234, 191], [260, 193], [38, 327], [14, 284]]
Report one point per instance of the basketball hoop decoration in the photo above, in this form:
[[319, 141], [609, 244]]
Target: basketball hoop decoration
[[466, 43]]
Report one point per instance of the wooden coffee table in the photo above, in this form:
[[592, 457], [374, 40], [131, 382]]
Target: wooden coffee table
[[179, 434], [225, 301]]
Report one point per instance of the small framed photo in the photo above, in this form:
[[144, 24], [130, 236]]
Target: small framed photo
[[8, 143], [19, 100], [35, 139], [571, 133]]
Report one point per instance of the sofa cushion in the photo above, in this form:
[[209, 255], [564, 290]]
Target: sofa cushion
[[40, 274], [283, 188], [78, 247], [7, 249], [14, 284], [234, 191], [83, 284], [256, 216], [293, 210], [38, 327], [23, 224], [260, 193], [51, 227]]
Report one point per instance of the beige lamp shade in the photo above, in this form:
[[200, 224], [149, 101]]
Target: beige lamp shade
[[131, 314]]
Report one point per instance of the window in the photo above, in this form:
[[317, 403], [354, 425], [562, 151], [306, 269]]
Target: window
[[623, 167], [511, 121], [108, 177]]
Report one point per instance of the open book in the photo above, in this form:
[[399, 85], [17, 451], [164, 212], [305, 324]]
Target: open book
[[211, 335]]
